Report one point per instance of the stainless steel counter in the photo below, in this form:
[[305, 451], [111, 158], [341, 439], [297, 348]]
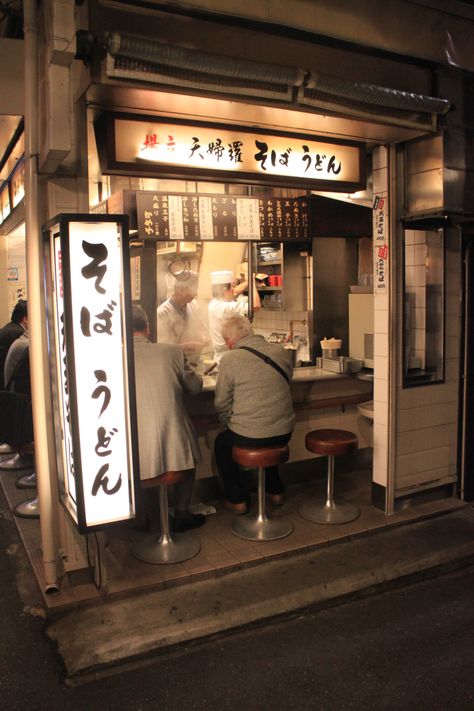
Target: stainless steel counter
[[300, 375]]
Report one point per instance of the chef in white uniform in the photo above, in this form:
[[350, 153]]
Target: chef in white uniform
[[224, 305], [179, 319]]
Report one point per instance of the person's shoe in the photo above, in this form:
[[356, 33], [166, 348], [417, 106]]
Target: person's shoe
[[276, 499], [238, 508], [185, 521]]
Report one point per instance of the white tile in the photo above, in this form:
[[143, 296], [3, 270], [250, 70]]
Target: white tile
[[419, 254], [420, 440], [423, 461], [380, 177], [426, 416], [379, 158], [380, 476], [381, 413], [381, 344], [420, 297], [380, 390], [381, 302], [409, 255], [381, 367], [420, 276], [380, 458], [409, 237], [381, 322], [380, 436]]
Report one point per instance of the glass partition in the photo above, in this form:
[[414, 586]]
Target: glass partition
[[423, 307]]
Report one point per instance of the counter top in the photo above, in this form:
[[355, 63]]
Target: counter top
[[300, 375]]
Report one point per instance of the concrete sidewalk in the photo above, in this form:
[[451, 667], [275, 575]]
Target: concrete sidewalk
[[120, 632]]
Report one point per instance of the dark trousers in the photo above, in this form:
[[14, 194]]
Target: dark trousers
[[229, 471]]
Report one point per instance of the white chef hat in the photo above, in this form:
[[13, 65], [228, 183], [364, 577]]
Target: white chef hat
[[222, 277]]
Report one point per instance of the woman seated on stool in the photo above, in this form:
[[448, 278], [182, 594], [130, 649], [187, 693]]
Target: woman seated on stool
[[253, 401], [166, 439]]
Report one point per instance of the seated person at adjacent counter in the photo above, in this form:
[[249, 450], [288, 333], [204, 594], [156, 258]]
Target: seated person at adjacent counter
[[253, 400], [224, 305], [179, 319], [166, 438], [12, 330]]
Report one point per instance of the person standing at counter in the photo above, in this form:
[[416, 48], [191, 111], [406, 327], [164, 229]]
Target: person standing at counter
[[253, 401], [224, 305], [166, 438], [179, 320]]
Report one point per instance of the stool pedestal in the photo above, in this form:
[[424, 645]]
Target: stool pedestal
[[27, 482], [28, 509], [329, 511], [164, 549], [18, 461], [259, 527], [329, 442]]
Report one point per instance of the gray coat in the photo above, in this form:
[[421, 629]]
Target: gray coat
[[252, 399], [166, 437]]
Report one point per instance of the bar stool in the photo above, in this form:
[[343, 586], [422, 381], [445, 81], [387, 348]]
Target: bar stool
[[259, 527], [166, 548], [331, 443]]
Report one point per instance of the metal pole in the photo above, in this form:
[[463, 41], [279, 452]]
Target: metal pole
[[36, 319]]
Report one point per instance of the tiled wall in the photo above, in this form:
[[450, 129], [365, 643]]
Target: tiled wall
[[427, 416], [268, 321], [415, 290]]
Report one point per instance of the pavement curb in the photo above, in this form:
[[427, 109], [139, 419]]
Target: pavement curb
[[123, 632]]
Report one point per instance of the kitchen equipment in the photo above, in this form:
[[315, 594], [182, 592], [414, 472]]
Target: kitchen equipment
[[342, 365], [330, 347]]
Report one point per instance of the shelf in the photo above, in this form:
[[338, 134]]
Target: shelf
[[269, 264]]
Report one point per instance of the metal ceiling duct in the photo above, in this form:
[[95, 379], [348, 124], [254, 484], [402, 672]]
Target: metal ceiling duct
[[122, 45], [378, 95], [156, 61]]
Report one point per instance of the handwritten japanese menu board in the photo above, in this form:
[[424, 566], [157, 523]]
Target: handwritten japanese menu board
[[190, 217]]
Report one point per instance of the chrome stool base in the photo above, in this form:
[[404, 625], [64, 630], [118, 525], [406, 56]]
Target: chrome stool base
[[27, 482], [260, 528], [329, 512], [6, 449], [181, 547], [28, 509], [163, 549], [16, 462]]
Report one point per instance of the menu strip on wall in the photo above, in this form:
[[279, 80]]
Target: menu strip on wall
[[184, 216]]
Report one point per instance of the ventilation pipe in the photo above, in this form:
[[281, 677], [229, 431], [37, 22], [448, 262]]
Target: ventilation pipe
[[148, 50], [132, 47], [377, 95], [36, 327]]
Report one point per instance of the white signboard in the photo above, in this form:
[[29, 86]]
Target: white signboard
[[92, 372], [236, 150], [380, 245]]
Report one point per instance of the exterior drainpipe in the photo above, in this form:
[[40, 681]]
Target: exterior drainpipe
[[36, 311]]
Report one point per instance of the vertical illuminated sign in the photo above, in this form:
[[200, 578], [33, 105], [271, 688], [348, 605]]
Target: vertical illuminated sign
[[93, 366]]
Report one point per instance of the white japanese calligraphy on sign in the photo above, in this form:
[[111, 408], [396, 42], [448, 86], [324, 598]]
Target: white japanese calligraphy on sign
[[235, 150], [96, 278]]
